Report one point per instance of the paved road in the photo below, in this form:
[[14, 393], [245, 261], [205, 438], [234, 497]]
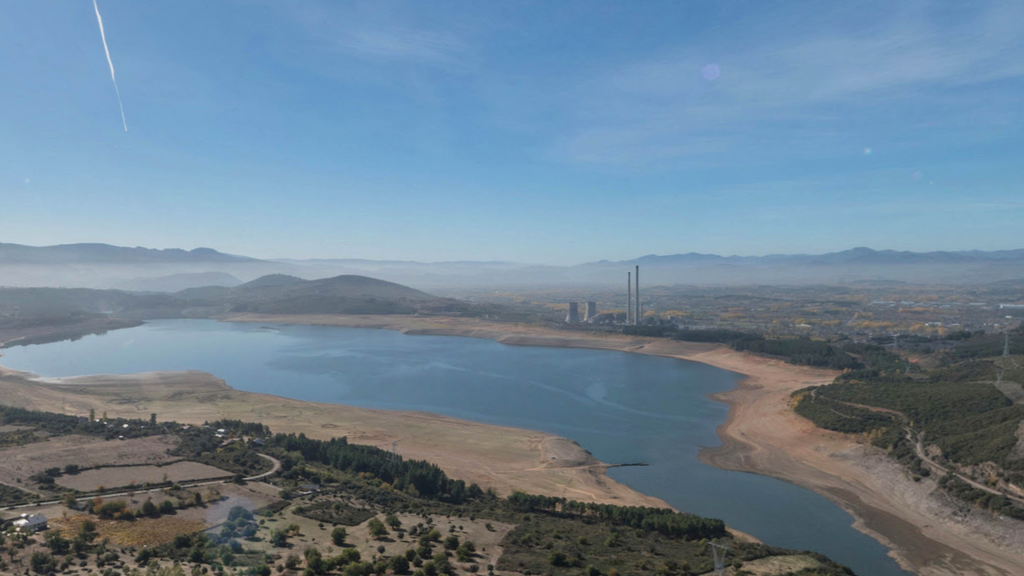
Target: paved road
[[186, 484]]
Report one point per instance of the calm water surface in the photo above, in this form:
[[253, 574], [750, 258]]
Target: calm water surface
[[622, 407]]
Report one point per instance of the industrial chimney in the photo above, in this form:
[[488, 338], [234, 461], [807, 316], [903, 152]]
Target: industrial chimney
[[638, 315], [629, 297]]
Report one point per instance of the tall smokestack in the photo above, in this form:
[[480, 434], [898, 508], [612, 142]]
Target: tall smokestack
[[629, 296], [638, 315]]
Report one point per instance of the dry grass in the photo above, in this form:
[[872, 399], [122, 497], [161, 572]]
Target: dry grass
[[141, 532], [90, 480], [59, 451], [780, 565]]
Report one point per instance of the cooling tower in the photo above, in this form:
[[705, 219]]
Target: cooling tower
[[591, 311], [574, 313]]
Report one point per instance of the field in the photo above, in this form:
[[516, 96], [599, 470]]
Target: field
[[141, 532], [98, 478], [86, 451]]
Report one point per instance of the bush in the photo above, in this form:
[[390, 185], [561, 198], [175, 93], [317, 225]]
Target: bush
[[399, 564], [42, 562], [338, 536]]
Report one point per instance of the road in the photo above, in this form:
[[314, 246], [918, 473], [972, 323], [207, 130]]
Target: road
[[935, 466], [187, 484]]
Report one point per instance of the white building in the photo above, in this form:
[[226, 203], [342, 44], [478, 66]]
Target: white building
[[32, 523]]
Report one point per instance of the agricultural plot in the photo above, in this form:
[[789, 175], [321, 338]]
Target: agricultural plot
[[85, 451], [95, 479]]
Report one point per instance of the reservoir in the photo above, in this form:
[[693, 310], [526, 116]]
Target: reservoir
[[621, 407]]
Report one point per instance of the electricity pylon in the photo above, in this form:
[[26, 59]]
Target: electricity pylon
[[719, 560]]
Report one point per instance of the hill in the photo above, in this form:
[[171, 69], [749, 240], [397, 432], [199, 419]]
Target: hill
[[179, 282], [107, 254], [276, 294]]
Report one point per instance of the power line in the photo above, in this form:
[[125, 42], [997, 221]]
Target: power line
[[719, 560]]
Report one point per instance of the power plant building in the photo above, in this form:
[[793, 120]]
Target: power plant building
[[574, 313], [591, 311]]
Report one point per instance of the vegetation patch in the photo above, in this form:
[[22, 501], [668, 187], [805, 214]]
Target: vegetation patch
[[336, 512]]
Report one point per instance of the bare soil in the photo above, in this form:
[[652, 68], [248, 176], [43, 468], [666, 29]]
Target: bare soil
[[86, 451], [95, 479]]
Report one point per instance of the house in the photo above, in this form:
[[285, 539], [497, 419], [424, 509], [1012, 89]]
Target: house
[[310, 488], [33, 523]]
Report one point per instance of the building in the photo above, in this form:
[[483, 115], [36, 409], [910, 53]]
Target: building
[[591, 311], [574, 313], [33, 523]]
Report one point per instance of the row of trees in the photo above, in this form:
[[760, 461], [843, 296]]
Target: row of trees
[[417, 476], [661, 520], [801, 350]]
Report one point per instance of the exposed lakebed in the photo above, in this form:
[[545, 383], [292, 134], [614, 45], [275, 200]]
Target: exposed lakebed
[[624, 408]]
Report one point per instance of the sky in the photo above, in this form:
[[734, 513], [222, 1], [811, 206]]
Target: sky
[[542, 132]]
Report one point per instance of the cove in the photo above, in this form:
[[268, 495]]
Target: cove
[[621, 407]]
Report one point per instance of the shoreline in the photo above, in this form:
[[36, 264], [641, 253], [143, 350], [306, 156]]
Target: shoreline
[[762, 435]]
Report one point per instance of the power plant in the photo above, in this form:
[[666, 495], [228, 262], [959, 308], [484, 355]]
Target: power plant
[[634, 310], [574, 313]]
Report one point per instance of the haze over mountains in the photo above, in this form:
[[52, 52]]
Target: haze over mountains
[[173, 270]]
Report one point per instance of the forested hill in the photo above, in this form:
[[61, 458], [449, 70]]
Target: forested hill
[[966, 416]]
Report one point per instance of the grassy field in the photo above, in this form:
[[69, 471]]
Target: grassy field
[[122, 476]]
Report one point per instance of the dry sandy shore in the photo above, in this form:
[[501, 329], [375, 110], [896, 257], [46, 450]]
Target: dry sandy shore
[[493, 456], [762, 435]]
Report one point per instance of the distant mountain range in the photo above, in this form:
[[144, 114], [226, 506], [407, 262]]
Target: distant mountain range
[[172, 270], [853, 256], [107, 254]]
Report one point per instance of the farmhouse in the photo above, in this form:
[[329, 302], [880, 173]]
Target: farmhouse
[[33, 523]]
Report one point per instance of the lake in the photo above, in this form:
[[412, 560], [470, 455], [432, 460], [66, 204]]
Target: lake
[[622, 407]]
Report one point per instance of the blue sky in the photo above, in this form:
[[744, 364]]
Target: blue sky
[[527, 131]]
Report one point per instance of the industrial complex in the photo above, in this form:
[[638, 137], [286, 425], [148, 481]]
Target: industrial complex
[[634, 311]]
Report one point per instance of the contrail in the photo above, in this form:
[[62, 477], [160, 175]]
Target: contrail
[[111, 62]]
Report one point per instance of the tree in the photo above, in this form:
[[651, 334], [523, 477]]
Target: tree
[[57, 543], [338, 536], [152, 419], [42, 562], [393, 521], [150, 509], [399, 564], [278, 538], [451, 542], [377, 529], [167, 507], [199, 499], [558, 559], [92, 415]]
